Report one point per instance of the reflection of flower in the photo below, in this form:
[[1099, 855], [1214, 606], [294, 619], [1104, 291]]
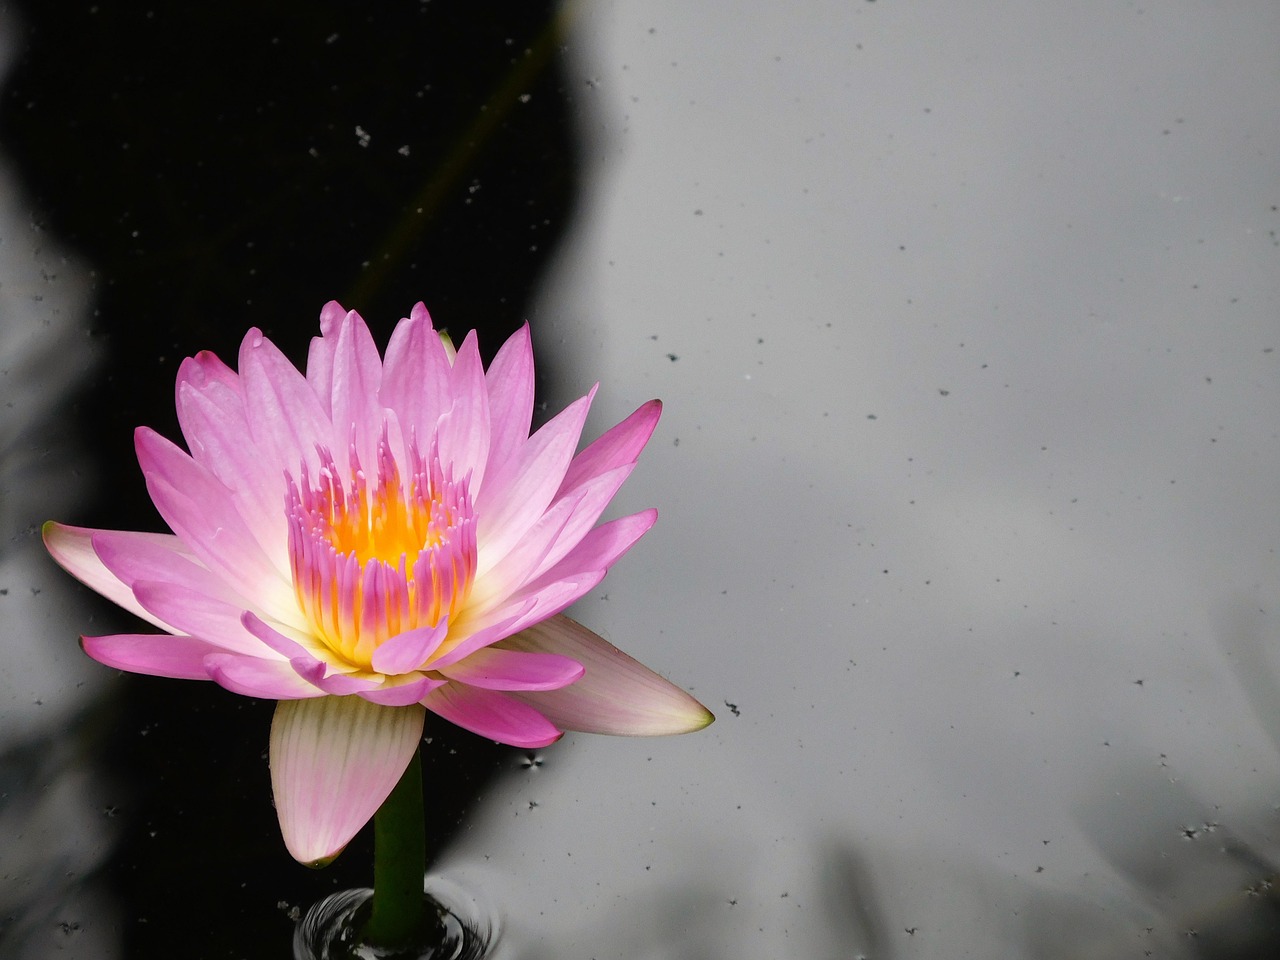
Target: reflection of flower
[[371, 539]]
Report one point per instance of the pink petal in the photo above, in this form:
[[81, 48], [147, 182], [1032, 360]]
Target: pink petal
[[199, 509], [492, 715], [616, 695], [487, 630], [510, 503], [511, 386], [255, 677], [588, 501], [595, 553], [285, 416], [334, 761], [320, 353], [199, 615], [402, 691], [213, 422], [331, 681], [495, 669], [508, 575], [153, 654], [288, 647], [618, 445], [415, 378], [72, 548], [357, 376], [463, 432], [409, 650]]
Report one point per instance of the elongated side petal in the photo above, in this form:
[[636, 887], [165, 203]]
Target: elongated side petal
[[153, 654], [619, 445], [72, 548], [333, 761], [493, 715], [616, 695], [495, 669]]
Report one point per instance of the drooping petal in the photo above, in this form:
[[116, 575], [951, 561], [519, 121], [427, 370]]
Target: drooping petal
[[621, 444], [617, 695], [496, 669], [153, 654], [333, 762], [493, 715], [72, 548]]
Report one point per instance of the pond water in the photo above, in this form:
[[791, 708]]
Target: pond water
[[965, 320]]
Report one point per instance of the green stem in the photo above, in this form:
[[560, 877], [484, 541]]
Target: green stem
[[399, 862]]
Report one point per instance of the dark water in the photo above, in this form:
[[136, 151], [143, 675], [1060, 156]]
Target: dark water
[[965, 326]]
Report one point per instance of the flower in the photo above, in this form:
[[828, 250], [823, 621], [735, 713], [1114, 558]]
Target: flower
[[371, 540]]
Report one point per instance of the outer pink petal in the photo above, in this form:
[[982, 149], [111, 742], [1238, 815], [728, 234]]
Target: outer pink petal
[[504, 578], [511, 387], [153, 654], [618, 445], [320, 354], [415, 378], [514, 500], [254, 677], [199, 509], [357, 376], [213, 421], [492, 715], [333, 762], [199, 615], [285, 416], [617, 695], [588, 501], [495, 669], [463, 432], [72, 548], [135, 557], [595, 553]]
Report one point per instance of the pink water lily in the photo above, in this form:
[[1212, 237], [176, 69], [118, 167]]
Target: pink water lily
[[371, 540]]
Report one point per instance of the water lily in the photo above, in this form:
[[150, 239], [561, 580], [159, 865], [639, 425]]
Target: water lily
[[373, 539]]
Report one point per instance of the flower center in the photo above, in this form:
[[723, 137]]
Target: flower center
[[371, 561]]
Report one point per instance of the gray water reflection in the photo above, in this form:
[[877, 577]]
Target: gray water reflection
[[965, 321]]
